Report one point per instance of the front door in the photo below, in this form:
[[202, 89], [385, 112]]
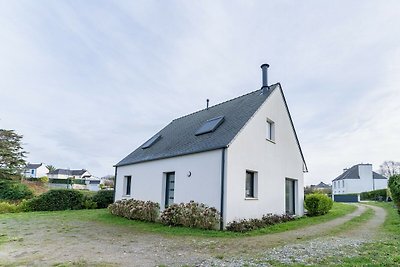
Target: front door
[[290, 196], [169, 188]]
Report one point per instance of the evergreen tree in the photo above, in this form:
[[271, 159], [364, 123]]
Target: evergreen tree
[[12, 155]]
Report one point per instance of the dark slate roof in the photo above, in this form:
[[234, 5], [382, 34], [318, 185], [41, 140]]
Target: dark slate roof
[[68, 172], [33, 166], [353, 173], [322, 185], [178, 138], [378, 176]]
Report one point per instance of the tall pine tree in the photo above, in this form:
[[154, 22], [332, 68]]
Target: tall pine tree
[[12, 155]]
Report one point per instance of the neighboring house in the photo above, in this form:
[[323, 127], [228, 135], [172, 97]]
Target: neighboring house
[[81, 179], [67, 173], [35, 170], [241, 156], [321, 186], [359, 178]]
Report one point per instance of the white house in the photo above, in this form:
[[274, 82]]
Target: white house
[[241, 156], [357, 179], [81, 179], [35, 170], [67, 173]]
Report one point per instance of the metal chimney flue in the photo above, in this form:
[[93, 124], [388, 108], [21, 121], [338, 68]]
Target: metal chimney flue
[[264, 68]]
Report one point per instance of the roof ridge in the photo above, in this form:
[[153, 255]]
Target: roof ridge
[[252, 92]]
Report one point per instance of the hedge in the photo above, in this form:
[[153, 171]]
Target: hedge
[[317, 204], [380, 195], [56, 199], [13, 190], [394, 186], [192, 214], [103, 198], [136, 209], [246, 225]]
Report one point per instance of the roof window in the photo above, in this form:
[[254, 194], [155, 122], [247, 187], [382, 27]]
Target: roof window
[[210, 125], [151, 141]]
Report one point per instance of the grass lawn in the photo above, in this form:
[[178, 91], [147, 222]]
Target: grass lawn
[[103, 216], [386, 251]]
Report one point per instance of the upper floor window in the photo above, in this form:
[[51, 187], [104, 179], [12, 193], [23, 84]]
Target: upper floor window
[[270, 130], [33, 171]]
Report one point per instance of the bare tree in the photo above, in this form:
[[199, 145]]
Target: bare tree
[[389, 168]]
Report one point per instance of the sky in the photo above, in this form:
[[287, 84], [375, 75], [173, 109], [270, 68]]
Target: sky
[[86, 82]]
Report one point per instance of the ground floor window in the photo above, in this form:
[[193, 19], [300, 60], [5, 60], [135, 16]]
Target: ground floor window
[[251, 184], [127, 185]]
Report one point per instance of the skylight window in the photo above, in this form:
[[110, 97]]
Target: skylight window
[[151, 141], [210, 125]]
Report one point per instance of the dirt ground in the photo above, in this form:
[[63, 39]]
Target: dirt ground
[[43, 242]]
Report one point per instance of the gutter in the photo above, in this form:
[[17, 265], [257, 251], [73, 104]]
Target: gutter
[[221, 223], [115, 182]]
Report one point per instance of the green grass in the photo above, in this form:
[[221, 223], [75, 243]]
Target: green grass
[[385, 251], [103, 216]]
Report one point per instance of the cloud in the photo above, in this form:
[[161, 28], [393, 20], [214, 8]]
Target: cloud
[[87, 82]]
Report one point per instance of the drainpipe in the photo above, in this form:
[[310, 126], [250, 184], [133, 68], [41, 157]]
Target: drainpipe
[[115, 182], [221, 224]]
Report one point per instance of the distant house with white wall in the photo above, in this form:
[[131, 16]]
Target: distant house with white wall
[[357, 179], [33, 170], [321, 186], [241, 156], [80, 179]]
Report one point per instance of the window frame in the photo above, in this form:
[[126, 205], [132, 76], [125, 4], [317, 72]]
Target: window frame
[[127, 185], [270, 130], [253, 192]]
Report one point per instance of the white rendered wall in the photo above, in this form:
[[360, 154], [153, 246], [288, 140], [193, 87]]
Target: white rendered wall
[[381, 183], [365, 184], [274, 162], [148, 179], [41, 171]]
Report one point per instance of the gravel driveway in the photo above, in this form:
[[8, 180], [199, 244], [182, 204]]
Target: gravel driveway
[[41, 242]]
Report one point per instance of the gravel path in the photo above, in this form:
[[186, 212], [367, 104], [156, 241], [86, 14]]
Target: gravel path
[[42, 242], [344, 244]]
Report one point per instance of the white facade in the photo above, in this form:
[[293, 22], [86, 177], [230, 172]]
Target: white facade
[[198, 176], [355, 185], [274, 161], [36, 172]]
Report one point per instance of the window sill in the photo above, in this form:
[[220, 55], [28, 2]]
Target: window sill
[[269, 140], [126, 195], [251, 198]]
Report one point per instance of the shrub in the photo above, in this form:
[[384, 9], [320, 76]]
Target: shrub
[[103, 198], [379, 195], [43, 179], [136, 209], [394, 186], [6, 207], [56, 199], [317, 204], [192, 214], [13, 190], [246, 225]]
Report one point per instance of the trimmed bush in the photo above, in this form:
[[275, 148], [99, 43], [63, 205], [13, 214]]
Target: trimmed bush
[[56, 199], [317, 204], [192, 214], [246, 225], [377, 195], [103, 198], [394, 186], [6, 207], [13, 190], [136, 210]]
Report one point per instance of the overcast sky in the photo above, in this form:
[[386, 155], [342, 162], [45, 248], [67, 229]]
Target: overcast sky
[[86, 82]]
